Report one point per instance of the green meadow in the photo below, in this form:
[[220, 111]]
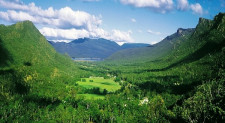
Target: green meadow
[[99, 82], [97, 87]]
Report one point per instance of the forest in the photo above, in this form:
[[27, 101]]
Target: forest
[[180, 79]]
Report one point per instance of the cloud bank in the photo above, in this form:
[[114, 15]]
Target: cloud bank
[[60, 24], [184, 5], [163, 6], [156, 5]]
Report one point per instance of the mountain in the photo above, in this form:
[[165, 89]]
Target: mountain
[[187, 69], [91, 48], [185, 44], [134, 45], [30, 65], [87, 48], [180, 79], [154, 51]]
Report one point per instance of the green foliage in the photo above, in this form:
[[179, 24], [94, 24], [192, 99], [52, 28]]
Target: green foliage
[[184, 82]]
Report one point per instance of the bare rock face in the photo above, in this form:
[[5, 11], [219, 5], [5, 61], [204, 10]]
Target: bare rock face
[[179, 31]]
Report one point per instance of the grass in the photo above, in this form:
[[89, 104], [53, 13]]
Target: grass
[[109, 84], [91, 96]]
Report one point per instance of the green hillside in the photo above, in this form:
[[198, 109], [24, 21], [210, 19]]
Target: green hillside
[[30, 65], [180, 79], [182, 70], [207, 37], [155, 51]]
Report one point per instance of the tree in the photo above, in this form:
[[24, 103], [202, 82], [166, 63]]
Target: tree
[[83, 80]]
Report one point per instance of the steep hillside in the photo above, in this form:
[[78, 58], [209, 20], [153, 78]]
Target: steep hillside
[[91, 48], [207, 37], [155, 51], [30, 65]]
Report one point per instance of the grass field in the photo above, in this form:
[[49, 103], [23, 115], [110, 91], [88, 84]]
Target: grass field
[[109, 84]]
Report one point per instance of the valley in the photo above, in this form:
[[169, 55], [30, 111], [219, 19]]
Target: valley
[[179, 79]]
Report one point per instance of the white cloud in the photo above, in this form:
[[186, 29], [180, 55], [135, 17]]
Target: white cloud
[[120, 36], [161, 6], [62, 18], [182, 4], [12, 4], [196, 8], [133, 20], [69, 34], [18, 16], [63, 24], [153, 32], [4, 16]]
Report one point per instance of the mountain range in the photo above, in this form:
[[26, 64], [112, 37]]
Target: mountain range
[[92, 48], [155, 51], [180, 79], [197, 42]]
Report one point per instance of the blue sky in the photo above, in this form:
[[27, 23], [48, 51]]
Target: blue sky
[[139, 21]]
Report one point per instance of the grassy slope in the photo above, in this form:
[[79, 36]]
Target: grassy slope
[[30, 65]]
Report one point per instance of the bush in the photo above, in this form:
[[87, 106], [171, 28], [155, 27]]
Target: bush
[[83, 80]]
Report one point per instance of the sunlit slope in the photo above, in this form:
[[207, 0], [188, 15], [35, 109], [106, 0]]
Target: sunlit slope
[[190, 44], [207, 40], [156, 51], [29, 64]]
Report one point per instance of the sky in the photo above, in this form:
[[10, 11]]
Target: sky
[[122, 21]]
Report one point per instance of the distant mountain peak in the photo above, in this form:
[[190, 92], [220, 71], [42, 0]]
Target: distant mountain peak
[[182, 31], [80, 40], [179, 31]]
